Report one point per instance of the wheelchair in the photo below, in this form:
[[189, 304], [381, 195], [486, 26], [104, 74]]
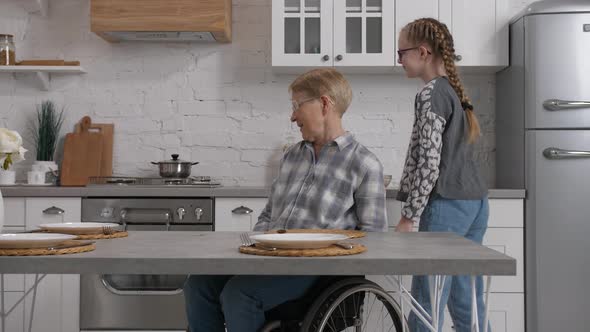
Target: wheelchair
[[337, 304]]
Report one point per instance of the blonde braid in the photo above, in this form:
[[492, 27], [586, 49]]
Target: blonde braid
[[437, 36]]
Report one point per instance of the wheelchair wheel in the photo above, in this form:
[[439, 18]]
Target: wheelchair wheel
[[359, 308]]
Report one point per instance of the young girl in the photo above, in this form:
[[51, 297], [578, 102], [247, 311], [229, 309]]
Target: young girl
[[441, 186]]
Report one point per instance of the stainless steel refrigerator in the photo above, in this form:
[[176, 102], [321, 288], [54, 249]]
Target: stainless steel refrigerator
[[543, 145]]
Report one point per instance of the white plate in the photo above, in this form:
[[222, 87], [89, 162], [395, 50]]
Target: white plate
[[298, 240], [33, 240], [78, 228]]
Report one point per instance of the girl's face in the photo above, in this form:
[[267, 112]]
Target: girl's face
[[412, 57]]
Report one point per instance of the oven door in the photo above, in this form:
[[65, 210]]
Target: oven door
[[135, 302]]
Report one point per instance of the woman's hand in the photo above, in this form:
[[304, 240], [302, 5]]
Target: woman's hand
[[405, 225]]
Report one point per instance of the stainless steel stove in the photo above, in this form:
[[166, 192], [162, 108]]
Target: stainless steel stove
[[142, 302], [193, 181]]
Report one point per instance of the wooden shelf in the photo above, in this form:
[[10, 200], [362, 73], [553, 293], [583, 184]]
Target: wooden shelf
[[43, 73]]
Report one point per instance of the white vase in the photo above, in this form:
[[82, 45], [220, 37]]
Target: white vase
[[48, 167], [7, 177], [44, 166]]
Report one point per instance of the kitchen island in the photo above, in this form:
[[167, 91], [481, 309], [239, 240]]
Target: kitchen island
[[391, 254]]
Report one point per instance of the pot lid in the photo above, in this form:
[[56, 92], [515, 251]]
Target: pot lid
[[174, 160]]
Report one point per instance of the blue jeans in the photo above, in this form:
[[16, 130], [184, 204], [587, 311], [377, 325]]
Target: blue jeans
[[238, 301], [468, 218]]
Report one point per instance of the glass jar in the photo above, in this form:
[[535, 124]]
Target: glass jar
[[7, 50]]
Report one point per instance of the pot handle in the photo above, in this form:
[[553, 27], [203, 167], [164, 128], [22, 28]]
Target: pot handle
[[194, 163], [155, 163]]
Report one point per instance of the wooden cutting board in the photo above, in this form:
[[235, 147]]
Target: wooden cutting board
[[82, 156], [107, 130]]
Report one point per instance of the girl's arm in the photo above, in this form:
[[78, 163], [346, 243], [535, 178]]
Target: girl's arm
[[429, 126]]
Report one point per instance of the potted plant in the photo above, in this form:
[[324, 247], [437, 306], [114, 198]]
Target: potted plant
[[45, 128], [11, 151]]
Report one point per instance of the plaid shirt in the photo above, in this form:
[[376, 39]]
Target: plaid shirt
[[342, 189]]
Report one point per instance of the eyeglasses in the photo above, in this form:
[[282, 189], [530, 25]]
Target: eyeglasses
[[400, 53], [296, 104]]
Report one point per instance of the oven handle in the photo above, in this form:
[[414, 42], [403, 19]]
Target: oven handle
[[120, 292], [146, 216]]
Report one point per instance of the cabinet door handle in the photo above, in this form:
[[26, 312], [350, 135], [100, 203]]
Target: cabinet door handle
[[558, 104], [556, 153], [54, 210], [458, 57], [339, 57], [326, 58], [242, 210]]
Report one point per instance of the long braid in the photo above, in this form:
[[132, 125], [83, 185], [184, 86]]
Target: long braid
[[437, 36]]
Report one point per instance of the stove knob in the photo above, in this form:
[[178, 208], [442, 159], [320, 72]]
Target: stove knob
[[199, 213], [181, 212]]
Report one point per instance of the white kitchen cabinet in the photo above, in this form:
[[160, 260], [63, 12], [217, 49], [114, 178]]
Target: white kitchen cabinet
[[41, 210], [302, 33], [15, 320], [505, 234], [14, 284], [56, 300], [407, 11], [57, 304], [479, 28], [363, 33], [506, 313], [504, 213], [14, 212], [343, 33], [237, 214], [509, 241]]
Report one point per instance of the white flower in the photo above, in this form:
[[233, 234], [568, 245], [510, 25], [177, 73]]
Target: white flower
[[11, 146]]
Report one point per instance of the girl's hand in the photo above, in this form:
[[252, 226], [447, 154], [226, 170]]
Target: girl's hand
[[405, 225]]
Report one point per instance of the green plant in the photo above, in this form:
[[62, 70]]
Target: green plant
[[45, 130]]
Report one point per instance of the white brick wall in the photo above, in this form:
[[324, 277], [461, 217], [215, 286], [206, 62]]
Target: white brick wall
[[219, 104]]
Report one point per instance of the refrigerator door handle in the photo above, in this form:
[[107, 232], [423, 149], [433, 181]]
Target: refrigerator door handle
[[559, 105], [556, 153]]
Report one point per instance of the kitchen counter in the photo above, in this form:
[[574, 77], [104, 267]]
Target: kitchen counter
[[217, 253], [146, 191]]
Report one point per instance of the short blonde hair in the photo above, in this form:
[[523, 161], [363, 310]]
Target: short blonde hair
[[324, 82]]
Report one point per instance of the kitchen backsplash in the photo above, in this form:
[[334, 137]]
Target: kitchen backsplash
[[219, 104]]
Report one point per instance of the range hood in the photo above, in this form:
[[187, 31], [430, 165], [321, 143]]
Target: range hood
[[161, 20]]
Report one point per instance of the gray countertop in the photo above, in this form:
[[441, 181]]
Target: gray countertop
[[146, 191], [217, 253]]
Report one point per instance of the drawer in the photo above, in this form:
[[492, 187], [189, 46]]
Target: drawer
[[52, 210], [14, 211], [506, 213], [231, 213]]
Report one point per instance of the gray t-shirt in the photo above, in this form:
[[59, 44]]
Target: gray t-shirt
[[440, 158]]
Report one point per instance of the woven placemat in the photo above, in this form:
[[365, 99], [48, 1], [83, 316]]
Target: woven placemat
[[45, 251], [323, 252], [103, 236], [353, 234]]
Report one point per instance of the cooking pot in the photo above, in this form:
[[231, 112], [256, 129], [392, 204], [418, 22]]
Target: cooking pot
[[175, 168]]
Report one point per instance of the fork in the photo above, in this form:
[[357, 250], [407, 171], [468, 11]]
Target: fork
[[107, 230], [247, 242]]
